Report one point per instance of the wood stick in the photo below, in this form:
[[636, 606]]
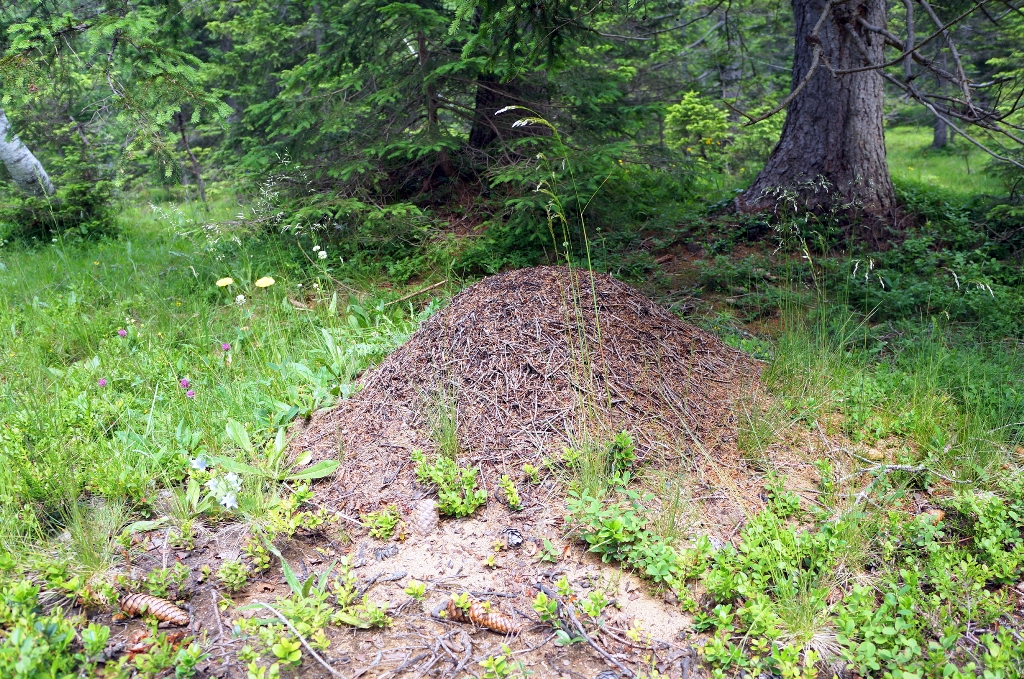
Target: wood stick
[[418, 292]]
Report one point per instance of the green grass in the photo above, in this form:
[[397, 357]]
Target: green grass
[[85, 411], [959, 168]]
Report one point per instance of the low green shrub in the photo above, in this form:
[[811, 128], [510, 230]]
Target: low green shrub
[[457, 490]]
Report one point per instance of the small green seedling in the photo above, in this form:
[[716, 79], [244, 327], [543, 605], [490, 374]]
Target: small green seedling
[[511, 494], [548, 553], [288, 650], [233, 575], [416, 589], [462, 601]]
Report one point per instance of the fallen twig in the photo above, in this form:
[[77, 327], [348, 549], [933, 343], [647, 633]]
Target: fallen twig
[[418, 292]]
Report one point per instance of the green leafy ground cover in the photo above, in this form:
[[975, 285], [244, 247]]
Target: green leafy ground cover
[[127, 371]]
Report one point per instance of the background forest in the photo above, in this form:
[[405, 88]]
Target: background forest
[[254, 201]]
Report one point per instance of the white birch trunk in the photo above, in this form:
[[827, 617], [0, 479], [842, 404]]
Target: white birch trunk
[[25, 169]]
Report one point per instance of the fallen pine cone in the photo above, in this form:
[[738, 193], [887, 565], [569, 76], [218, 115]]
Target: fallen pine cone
[[161, 609], [481, 617]]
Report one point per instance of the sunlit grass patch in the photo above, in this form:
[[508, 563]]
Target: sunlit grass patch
[[960, 167]]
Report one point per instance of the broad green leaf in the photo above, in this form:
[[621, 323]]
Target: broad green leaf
[[143, 526], [237, 467], [318, 471], [239, 436]]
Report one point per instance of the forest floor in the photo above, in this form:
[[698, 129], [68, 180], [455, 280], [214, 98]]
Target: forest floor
[[866, 520]]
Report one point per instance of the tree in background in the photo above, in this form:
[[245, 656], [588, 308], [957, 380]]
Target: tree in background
[[832, 146], [26, 171]]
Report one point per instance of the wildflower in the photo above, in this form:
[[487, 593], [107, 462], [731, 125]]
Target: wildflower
[[199, 463], [265, 282], [225, 490], [225, 282], [225, 347], [910, 168], [122, 332], [185, 384], [322, 254], [240, 300], [190, 394], [95, 263], [316, 248], [101, 382]]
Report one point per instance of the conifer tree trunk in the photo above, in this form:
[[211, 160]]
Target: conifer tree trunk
[[940, 134], [492, 95], [833, 129], [24, 168]]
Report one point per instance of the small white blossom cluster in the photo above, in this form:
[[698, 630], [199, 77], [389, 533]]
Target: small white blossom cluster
[[321, 253], [224, 489]]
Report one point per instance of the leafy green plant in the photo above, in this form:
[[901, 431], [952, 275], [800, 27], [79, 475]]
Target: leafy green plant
[[158, 581], [256, 671], [502, 666], [595, 603], [545, 606], [548, 552], [382, 523], [458, 494], [462, 600], [287, 650], [257, 553], [511, 494], [416, 589], [532, 474], [274, 458], [233, 574]]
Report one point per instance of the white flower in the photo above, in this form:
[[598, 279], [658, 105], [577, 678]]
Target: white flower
[[200, 463], [315, 248], [225, 490], [322, 254], [240, 300]]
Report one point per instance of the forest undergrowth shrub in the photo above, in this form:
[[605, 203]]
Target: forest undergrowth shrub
[[81, 207]]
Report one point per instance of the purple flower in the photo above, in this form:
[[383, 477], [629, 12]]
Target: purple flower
[[101, 382], [184, 383], [190, 394], [225, 347], [122, 332]]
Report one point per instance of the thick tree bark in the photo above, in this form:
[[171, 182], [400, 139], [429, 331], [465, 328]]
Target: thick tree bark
[[833, 129], [492, 95], [940, 136], [26, 171]]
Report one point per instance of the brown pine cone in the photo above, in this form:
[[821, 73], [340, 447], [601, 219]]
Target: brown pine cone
[[161, 609], [423, 518], [481, 617]]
